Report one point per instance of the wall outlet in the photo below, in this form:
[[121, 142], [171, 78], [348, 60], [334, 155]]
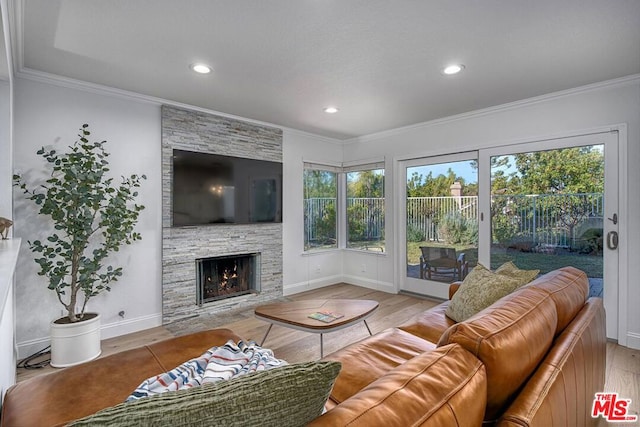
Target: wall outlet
[[363, 268], [318, 268]]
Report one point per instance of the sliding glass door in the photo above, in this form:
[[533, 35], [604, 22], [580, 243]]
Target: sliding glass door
[[551, 204], [441, 222], [541, 205]]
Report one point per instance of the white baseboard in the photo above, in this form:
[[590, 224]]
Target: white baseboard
[[111, 330], [129, 326], [27, 348], [371, 284], [633, 340], [296, 288], [326, 281]]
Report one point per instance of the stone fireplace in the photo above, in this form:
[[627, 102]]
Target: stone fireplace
[[227, 277], [181, 246]]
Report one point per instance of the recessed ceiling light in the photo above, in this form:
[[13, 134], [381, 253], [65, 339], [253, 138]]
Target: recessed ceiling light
[[453, 69], [331, 110], [200, 68]]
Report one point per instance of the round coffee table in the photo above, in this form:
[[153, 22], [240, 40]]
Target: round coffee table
[[295, 315]]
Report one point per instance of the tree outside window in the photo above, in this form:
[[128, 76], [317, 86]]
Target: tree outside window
[[320, 197], [365, 209]]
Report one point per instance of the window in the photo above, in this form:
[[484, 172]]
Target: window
[[365, 207], [320, 206]]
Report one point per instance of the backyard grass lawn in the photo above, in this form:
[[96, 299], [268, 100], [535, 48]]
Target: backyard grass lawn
[[592, 265]]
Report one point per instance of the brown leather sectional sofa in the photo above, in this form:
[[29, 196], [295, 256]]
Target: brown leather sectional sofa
[[534, 358]]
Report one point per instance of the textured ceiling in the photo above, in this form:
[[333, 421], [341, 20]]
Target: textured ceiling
[[378, 61]]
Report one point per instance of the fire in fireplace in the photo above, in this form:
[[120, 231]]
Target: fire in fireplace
[[227, 276]]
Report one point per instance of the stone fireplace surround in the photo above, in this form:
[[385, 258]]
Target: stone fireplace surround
[[181, 246]]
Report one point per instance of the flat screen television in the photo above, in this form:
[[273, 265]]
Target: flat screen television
[[216, 189]]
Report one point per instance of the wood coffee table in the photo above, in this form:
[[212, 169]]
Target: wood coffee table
[[295, 315]]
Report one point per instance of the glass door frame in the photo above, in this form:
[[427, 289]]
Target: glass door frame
[[410, 284], [615, 153], [611, 261]]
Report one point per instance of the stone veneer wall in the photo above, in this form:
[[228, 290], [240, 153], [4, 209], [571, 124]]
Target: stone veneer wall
[[181, 246]]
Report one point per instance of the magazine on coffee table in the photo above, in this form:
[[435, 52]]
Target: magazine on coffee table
[[325, 316]]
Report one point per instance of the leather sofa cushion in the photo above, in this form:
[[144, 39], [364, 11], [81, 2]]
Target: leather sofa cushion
[[569, 289], [561, 391], [510, 337], [367, 360], [429, 324], [75, 392], [444, 387]]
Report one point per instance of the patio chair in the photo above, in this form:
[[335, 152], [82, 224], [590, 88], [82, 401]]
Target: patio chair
[[442, 261]]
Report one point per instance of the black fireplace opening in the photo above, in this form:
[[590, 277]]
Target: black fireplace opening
[[227, 276]]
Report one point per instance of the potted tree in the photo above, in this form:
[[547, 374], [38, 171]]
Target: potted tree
[[91, 217]]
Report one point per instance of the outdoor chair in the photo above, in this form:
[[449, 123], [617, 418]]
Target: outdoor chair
[[442, 261]]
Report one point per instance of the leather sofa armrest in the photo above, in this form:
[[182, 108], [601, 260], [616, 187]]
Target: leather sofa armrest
[[453, 288], [45, 400]]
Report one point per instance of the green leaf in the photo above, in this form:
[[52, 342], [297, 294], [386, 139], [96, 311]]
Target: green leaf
[[89, 214]]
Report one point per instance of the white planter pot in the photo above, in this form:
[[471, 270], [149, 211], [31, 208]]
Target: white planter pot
[[75, 343]]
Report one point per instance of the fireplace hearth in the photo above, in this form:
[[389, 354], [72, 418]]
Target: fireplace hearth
[[227, 276]]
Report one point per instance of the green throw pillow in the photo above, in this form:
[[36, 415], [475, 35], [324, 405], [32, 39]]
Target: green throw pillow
[[290, 395], [511, 270], [479, 290]]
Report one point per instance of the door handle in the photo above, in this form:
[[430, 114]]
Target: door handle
[[612, 240]]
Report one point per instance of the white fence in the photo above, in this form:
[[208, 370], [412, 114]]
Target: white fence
[[365, 213], [542, 219], [546, 220], [424, 213]]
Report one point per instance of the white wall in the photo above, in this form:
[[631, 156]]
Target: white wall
[[48, 115], [5, 147], [312, 270], [601, 105]]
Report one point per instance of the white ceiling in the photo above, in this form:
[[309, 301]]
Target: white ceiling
[[378, 61]]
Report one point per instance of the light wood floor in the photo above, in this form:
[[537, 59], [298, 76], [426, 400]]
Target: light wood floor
[[622, 372]]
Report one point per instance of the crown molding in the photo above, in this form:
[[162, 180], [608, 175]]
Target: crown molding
[[306, 134], [56, 80], [98, 89], [15, 12], [619, 82], [14, 17], [15, 31]]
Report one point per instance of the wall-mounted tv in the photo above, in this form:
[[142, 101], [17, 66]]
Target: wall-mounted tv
[[216, 189]]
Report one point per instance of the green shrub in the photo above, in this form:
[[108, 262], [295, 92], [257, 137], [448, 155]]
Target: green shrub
[[590, 242], [414, 234], [356, 227], [522, 242], [470, 236], [456, 229], [503, 229]]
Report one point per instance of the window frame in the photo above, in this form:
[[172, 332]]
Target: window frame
[[337, 171], [364, 167]]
